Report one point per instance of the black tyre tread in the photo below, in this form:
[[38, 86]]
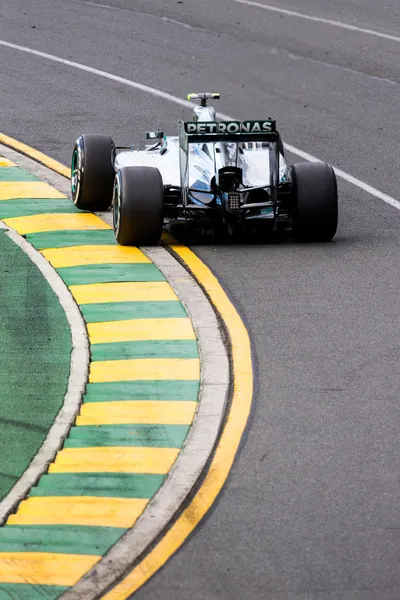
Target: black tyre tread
[[315, 204], [141, 206], [97, 177]]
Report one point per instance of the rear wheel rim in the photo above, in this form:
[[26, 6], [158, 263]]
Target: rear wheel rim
[[74, 171], [116, 206]]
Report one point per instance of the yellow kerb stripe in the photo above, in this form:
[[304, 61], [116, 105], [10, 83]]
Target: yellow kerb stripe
[[115, 459], [79, 510], [145, 369], [56, 222], [11, 190], [141, 329], [227, 445], [36, 155], [43, 568], [130, 412], [5, 162], [93, 255], [97, 293]]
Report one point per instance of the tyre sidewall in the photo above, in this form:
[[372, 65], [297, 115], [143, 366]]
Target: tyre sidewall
[[315, 205], [95, 172], [138, 199]]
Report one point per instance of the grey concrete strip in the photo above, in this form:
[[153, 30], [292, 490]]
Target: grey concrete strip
[[78, 370], [203, 435]]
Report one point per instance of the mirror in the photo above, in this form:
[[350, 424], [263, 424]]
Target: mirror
[[154, 135]]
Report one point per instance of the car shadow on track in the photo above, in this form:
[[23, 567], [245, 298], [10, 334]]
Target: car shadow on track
[[269, 238], [193, 237]]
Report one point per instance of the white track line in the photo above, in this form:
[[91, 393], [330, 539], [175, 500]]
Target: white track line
[[333, 23], [160, 94], [349, 178]]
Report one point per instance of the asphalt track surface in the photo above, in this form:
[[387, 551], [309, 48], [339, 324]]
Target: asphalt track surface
[[311, 510]]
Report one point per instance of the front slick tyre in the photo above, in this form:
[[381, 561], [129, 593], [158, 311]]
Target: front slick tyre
[[315, 202], [92, 172], [138, 206]]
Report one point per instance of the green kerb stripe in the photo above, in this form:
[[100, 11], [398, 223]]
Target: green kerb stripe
[[110, 272], [26, 591], [34, 206], [142, 390], [64, 239], [111, 485], [122, 311], [68, 539], [157, 436], [145, 349], [16, 174]]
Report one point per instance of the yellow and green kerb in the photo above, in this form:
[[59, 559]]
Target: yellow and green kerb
[[139, 404]]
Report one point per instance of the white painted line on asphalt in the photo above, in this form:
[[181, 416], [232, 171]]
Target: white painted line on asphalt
[[79, 367], [160, 94], [81, 67], [332, 22], [175, 22], [97, 4], [349, 178]]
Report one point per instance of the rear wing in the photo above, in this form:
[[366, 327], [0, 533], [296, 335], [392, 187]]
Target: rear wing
[[192, 132], [227, 131]]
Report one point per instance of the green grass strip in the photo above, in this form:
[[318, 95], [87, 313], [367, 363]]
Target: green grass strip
[[26, 591], [142, 390], [144, 349], [35, 349], [110, 485], [110, 272], [16, 174], [122, 311], [34, 206], [68, 539], [64, 239], [155, 436]]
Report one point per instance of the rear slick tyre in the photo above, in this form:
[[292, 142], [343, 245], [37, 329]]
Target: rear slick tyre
[[315, 202], [138, 206], [92, 172]]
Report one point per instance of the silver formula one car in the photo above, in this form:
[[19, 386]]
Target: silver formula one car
[[215, 175]]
